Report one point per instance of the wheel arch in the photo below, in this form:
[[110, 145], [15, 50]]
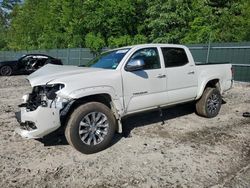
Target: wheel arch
[[213, 83], [104, 98], [103, 94]]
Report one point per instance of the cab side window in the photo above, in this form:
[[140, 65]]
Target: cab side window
[[174, 57], [150, 57]]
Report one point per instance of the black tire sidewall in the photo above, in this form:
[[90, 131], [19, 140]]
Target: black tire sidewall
[[73, 127], [212, 91], [4, 67]]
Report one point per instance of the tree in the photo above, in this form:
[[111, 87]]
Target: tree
[[220, 21], [113, 18], [3, 42], [94, 42], [168, 20], [54, 24], [6, 6], [10, 4], [126, 40], [41, 24], [64, 25], [25, 25], [246, 15]]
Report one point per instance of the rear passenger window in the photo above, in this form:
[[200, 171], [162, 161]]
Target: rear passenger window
[[149, 56], [174, 57]]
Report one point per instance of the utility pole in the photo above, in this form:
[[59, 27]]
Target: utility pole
[[208, 50]]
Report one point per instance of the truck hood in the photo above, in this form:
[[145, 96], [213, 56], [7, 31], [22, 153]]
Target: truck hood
[[51, 72]]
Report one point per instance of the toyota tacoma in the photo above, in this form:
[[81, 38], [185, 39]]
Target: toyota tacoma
[[89, 102]]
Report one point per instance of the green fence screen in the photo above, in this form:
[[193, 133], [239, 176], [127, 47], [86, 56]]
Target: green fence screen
[[238, 54]]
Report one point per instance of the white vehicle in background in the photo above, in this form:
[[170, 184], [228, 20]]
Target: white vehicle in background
[[89, 102]]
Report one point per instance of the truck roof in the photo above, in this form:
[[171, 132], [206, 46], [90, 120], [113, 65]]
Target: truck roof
[[152, 45]]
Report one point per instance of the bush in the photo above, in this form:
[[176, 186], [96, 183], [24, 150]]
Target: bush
[[126, 40], [119, 41], [94, 42]]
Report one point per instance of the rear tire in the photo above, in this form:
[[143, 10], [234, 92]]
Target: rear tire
[[6, 70], [210, 103], [91, 128]]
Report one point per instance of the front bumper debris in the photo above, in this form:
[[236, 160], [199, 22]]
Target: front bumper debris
[[37, 123]]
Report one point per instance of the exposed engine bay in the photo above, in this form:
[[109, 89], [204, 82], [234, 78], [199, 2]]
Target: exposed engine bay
[[42, 96]]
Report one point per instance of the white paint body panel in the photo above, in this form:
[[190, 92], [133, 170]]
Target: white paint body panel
[[182, 81], [130, 91], [46, 120], [178, 86], [209, 72]]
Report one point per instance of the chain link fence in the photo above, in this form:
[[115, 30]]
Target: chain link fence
[[238, 54]]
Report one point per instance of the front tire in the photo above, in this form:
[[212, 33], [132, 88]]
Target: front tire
[[210, 103], [91, 128], [6, 70]]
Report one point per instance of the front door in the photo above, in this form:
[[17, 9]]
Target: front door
[[144, 89]]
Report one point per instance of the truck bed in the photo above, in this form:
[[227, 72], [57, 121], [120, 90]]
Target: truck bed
[[211, 63], [220, 71]]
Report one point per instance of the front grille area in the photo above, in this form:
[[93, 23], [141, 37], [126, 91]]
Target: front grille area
[[34, 99], [28, 125], [41, 94]]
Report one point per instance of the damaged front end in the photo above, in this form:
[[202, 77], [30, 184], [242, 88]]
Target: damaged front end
[[40, 111]]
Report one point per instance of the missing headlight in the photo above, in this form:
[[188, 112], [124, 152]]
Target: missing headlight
[[41, 94], [52, 89]]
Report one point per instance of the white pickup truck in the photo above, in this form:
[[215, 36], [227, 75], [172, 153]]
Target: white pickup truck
[[89, 102]]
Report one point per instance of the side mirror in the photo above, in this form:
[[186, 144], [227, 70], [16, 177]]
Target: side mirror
[[134, 65]]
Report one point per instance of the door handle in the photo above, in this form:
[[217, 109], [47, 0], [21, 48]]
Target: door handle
[[191, 72], [161, 76]]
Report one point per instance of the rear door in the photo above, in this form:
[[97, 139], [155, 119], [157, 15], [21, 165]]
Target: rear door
[[181, 76], [145, 89]]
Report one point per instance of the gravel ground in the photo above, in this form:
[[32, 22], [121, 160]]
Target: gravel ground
[[187, 151]]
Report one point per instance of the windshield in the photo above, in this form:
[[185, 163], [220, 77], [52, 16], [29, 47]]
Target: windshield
[[24, 59], [108, 60]]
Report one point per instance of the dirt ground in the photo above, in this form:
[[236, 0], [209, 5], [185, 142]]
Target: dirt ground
[[187, 151]]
